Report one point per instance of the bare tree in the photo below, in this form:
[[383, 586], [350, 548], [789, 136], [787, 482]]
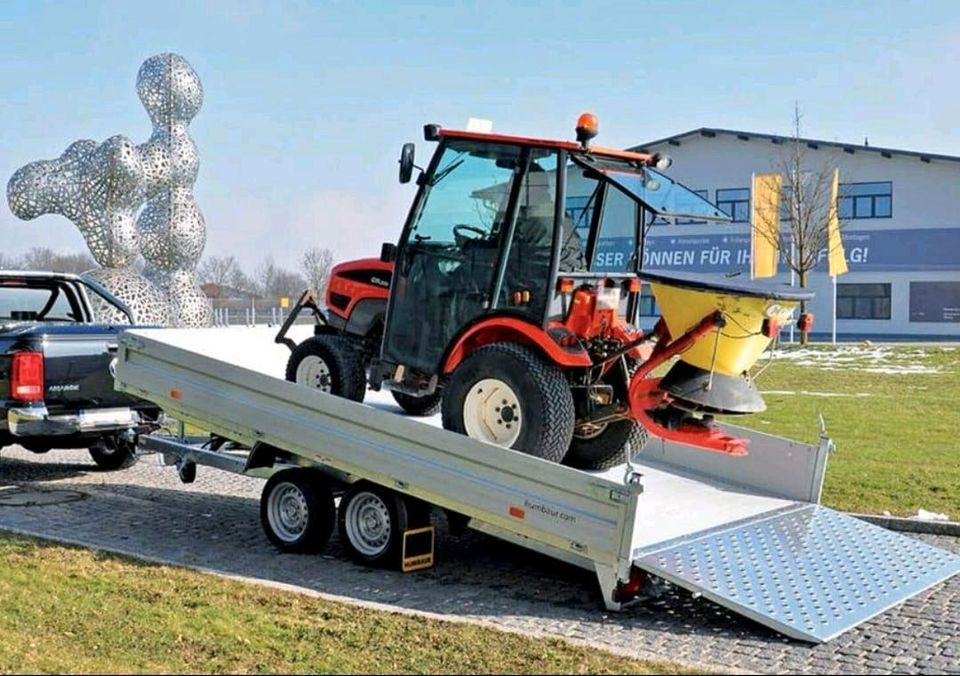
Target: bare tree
[[217, 269], [42, 258], [804, 211], [315, 265]]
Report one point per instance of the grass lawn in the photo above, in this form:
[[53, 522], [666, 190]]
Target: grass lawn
[[73, 610], [893, 411]]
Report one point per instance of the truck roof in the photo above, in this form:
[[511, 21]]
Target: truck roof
[[40, 274]]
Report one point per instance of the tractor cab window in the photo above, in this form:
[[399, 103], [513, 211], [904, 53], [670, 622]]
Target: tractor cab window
[[593, 204], [526, 281]]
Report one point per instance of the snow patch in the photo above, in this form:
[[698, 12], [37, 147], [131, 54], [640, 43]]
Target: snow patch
[[867, 358]]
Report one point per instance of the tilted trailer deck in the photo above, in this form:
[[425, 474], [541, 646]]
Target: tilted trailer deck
[[746, 532]]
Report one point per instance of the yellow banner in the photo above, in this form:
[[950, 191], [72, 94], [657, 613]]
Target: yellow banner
[[836, 260], [765, 224]]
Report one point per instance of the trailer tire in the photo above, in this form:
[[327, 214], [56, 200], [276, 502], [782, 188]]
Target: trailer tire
[[608, 447], [297, 511], [112, 454], [419, 406], [536, 391], [371, 522], [329, 363]]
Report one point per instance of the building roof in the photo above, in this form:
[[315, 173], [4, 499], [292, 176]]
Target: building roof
[[810, 142]]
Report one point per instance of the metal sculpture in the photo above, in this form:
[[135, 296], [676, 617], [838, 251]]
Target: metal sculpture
[[100, 187]]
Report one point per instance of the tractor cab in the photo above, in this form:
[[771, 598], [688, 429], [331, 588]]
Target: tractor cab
[[507, 227]]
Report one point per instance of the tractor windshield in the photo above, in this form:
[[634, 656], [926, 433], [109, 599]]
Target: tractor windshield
[[607, 201]]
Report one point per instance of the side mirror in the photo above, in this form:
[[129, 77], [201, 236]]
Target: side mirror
[[406, 162], [388, 252]]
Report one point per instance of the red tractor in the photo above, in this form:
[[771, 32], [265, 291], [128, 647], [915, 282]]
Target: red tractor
[[510, 303]]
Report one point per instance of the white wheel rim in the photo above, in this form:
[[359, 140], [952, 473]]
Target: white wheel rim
[[492, 412], [368, 524], [313, 372], [287, 512]]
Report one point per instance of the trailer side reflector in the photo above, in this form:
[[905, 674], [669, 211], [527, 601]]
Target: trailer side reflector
[[176, 394], [517, 513]]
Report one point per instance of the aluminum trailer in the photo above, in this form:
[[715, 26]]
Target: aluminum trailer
[[746, 532]]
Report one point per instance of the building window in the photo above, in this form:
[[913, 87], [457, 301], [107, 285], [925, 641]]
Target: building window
[[865, 200], [735, 203], [863, 301]]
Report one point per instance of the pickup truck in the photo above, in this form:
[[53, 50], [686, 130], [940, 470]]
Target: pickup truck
[[56, 370]]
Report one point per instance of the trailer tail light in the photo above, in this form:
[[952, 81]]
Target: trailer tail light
[[565, 285], [26, 376], [633, 286]]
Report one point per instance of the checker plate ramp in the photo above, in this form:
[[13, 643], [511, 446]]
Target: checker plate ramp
[[807, 571]]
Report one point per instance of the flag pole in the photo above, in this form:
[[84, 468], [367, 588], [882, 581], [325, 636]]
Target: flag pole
[[834, 313]]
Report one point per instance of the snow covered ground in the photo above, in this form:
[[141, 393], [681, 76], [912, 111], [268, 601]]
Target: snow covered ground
[[882, 359]]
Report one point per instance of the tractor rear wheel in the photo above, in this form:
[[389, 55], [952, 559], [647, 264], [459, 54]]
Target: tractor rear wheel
[[329, 363], [507, 395]]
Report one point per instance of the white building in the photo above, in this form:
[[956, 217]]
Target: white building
[[900, 214]]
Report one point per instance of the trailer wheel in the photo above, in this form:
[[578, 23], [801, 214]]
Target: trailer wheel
[[607, 446], [372, 520], [507, 395], [297, 511], [419, 406], [111, 454], [329, 363]]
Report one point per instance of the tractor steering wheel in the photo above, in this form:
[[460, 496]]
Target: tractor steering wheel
[[482, 234]]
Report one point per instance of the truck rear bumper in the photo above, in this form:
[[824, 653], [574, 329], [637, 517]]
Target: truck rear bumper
[[36, 421]]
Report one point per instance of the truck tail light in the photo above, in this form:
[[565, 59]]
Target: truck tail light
[[26, 376]]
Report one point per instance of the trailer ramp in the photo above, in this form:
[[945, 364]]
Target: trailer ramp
[[804, 570]]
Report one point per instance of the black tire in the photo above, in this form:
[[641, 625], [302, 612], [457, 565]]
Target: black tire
[[342, 360], [112, 454], [420, 406], [297, 511], [371, 522], [546, 409], [608, 448]]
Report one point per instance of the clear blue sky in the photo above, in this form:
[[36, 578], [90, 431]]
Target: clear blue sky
[[307, 103]]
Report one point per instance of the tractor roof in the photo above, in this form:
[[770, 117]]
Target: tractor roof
[[571, 146]]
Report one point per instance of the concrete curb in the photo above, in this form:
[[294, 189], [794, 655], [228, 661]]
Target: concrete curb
[[904, 525]]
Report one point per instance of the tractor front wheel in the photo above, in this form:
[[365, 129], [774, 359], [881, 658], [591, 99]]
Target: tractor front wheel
[[329, 363], [507, 395], [606, 445]]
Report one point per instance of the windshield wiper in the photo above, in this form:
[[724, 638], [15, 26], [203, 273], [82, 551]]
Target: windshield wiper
[[443, 173]]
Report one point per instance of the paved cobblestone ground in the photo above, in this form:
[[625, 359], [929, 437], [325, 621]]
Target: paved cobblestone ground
[[214, 523]]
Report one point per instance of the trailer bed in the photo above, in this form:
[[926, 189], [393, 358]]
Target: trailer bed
[[746, 532]]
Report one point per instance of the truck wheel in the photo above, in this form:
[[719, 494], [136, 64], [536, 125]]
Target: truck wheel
[[372, 520], [606, 446], [507, 395], [112, 454], [331, 364], [297, 511], [420, 406]]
